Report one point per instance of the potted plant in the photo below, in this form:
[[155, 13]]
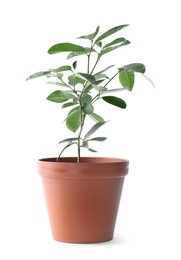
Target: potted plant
[[83, 193]]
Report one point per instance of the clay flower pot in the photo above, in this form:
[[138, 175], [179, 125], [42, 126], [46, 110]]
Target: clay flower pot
[[82, 198]]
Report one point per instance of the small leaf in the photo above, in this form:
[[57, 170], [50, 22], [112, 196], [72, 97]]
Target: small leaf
[[78, 53], [115, 101], [62, 68], [127, 79], [39, 74], [69, 140], [100, 72], [93, 129], [88, 77], [106, 50], [58, 84], [88, 108], [74, 54], [99, 88], [74, 65], [92, 150], [73, 80], [99, 76], [116, 41], [99, 139], [59, 96], [116, 90], [73, 119], [85, 98], [90, 36], [96, 117], [68, 104], [65, 47]]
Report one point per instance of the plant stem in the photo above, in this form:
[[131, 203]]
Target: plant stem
[[79, 135], [111, 79]]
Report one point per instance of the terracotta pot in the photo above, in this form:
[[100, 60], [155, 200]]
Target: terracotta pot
[[82, 198]]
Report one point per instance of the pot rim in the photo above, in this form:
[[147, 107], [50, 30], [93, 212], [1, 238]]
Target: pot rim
[[83, 160], [92, 167]]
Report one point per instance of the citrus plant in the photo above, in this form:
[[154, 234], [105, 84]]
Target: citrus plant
[[79, 91]]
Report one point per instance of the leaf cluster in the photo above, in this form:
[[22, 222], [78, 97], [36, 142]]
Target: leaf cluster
[[78, 91]]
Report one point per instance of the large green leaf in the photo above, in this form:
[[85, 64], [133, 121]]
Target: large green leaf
[[127, 79], [65, 47], [93, 129], [118, 102], [136, 67], [73, 119], [59, 96], [110, 32]]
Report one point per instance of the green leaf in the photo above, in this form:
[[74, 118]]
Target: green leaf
[[74, 65], [99, 139], [136, 67], [74, 54], [85, 98], [116, 41], [100, 72], [90, 36], [115, 101], [127, 79], [93, 129], [59, 84], [39, 74], [110, 32], [62, 68], [68, 104], [59, 96], [78, 53], [73, 119], [66, 47], [88, 77], [73, 80], [96, 117], [92, 150], [69, 140], [88, 108], [106, 50], [100, 76], [99, 88]]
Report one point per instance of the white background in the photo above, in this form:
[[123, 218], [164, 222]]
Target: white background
[[147, 132]]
